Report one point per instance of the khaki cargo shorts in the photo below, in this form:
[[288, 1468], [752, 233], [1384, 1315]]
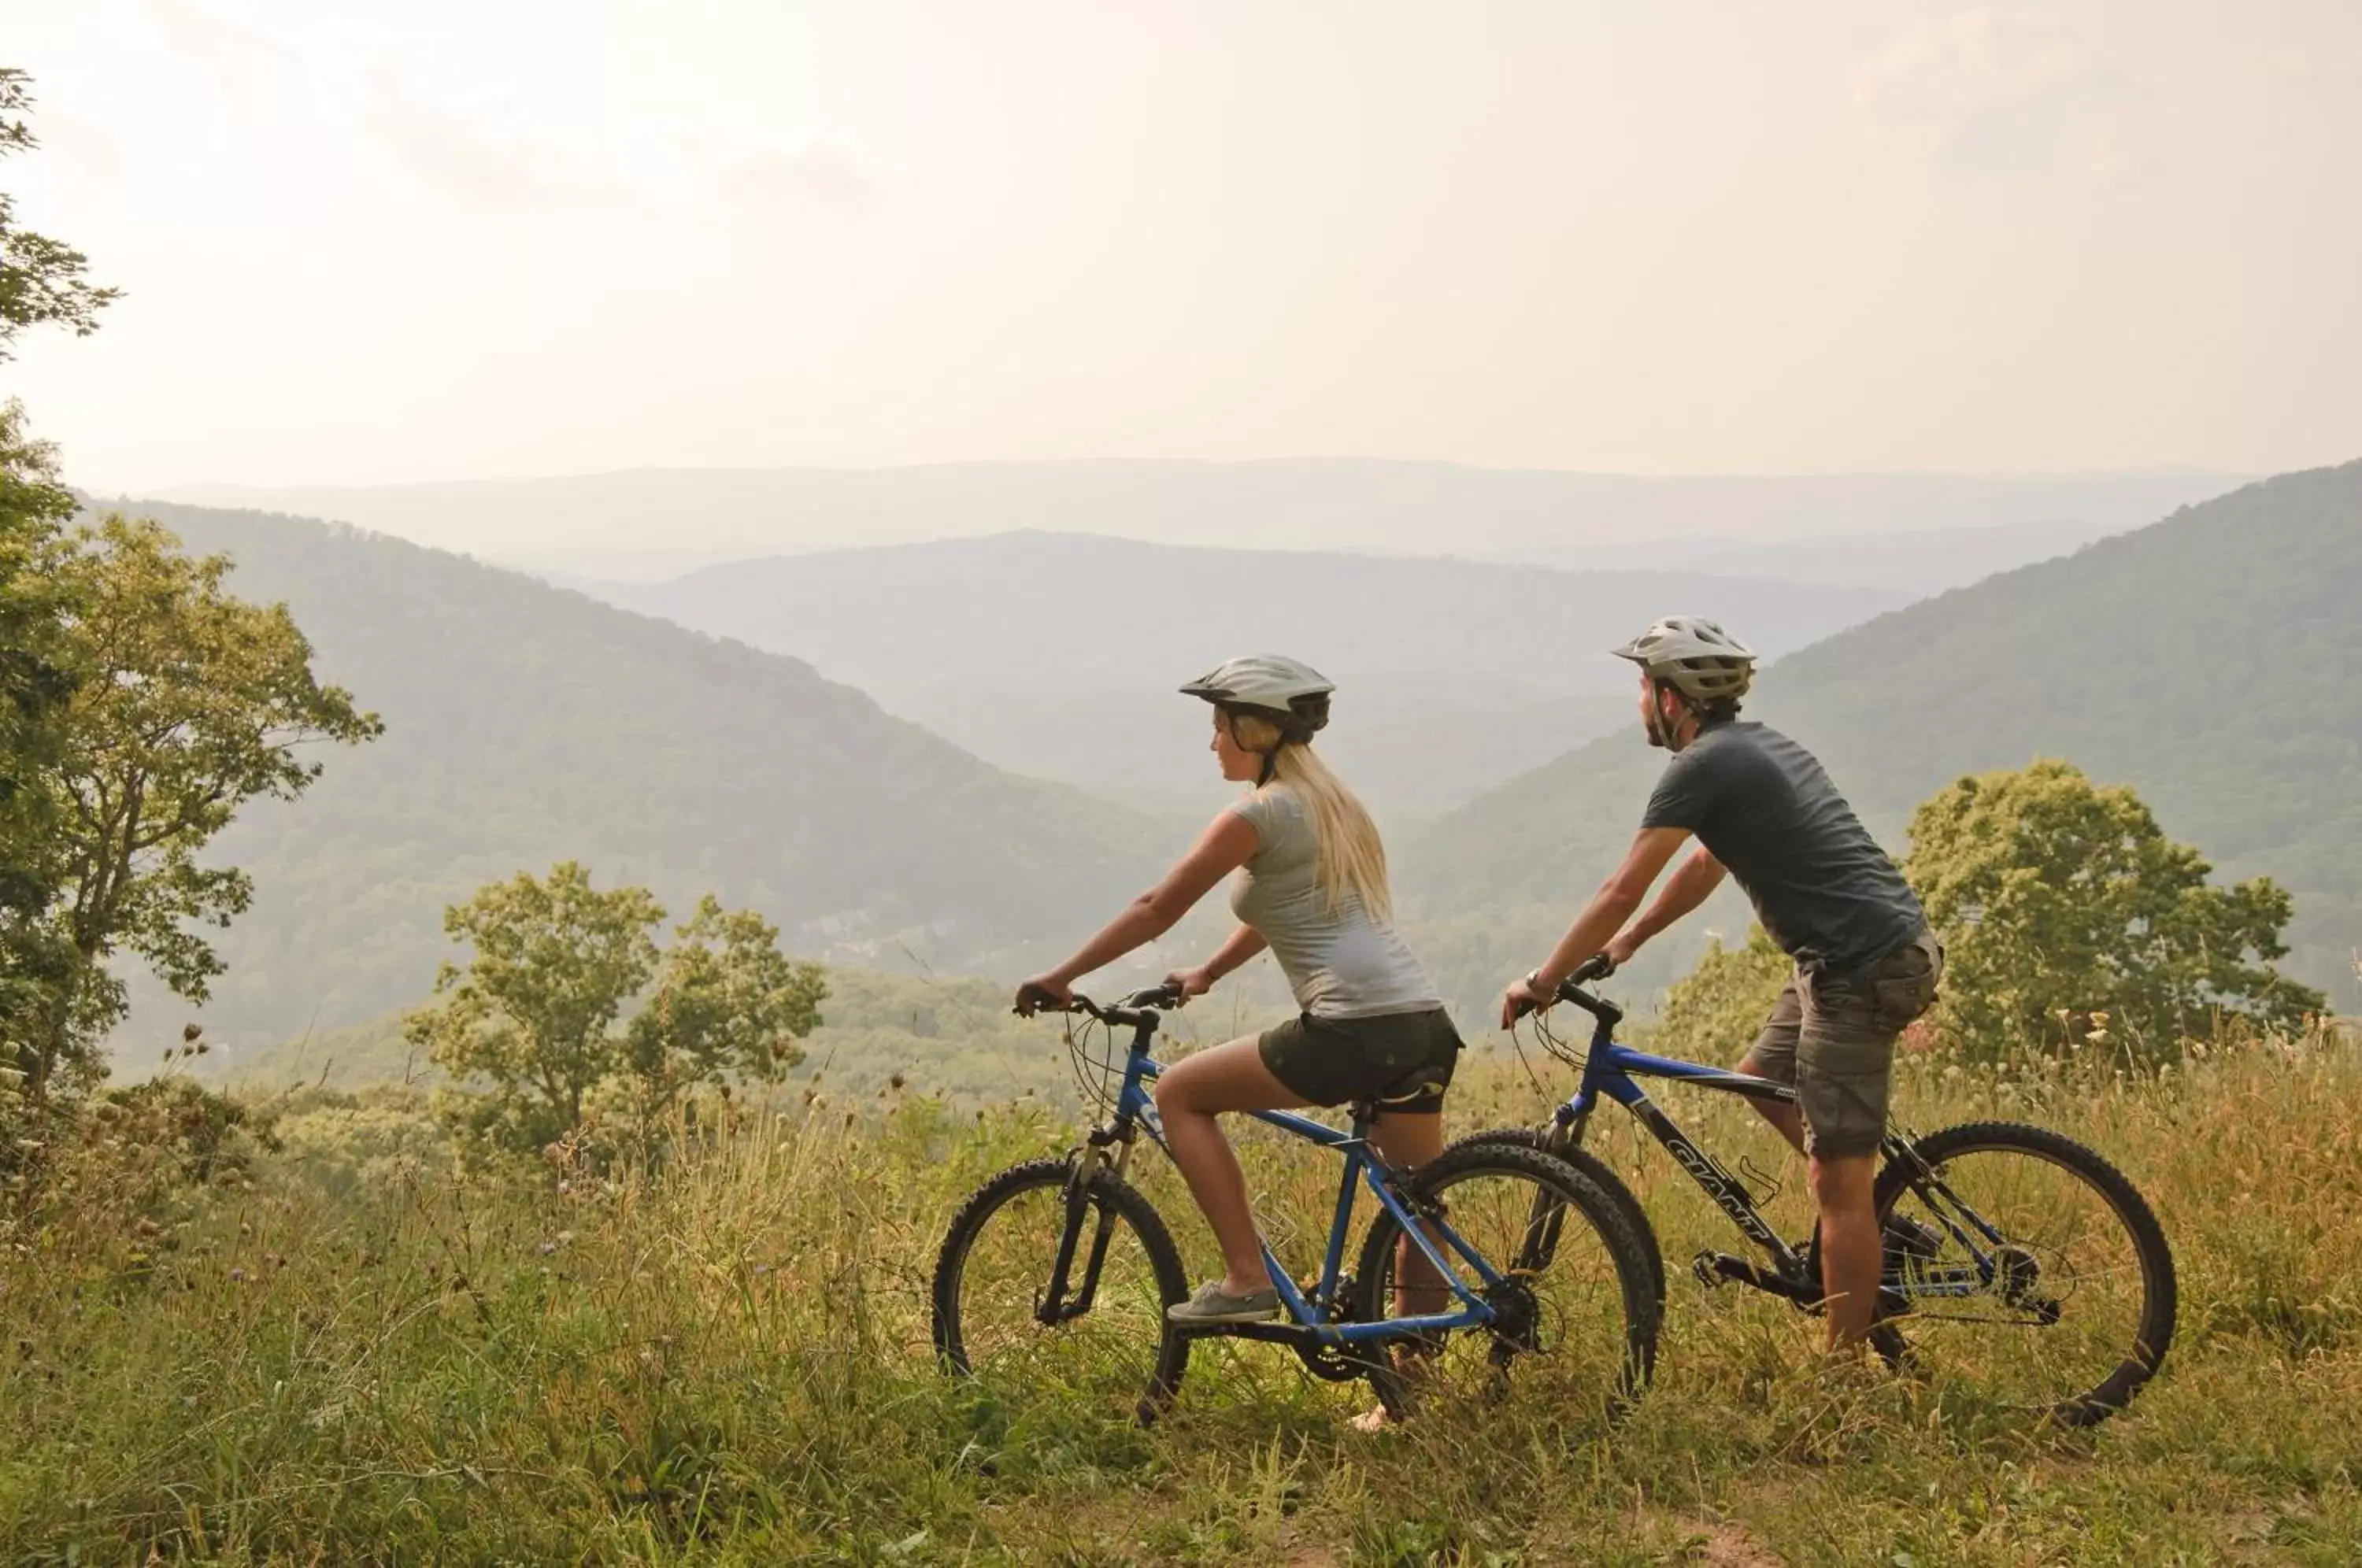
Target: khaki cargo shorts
[[1832, 1036]]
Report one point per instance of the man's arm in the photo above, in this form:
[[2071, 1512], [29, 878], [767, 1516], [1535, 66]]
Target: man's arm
[[1688, 888], [1599, 921]]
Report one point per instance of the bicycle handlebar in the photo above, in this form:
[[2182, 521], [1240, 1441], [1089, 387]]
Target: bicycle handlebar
[[1132, 1010], [1598, 966]]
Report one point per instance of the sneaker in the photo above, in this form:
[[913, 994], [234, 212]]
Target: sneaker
[[1214, 1305]]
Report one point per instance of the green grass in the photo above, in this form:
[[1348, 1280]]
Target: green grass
[[393, 1361]]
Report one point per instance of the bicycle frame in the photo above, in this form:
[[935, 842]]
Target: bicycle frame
[[1315, 1316], [1610, 1070]]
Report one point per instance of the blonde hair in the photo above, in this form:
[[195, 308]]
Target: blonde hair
[[1352, 858]]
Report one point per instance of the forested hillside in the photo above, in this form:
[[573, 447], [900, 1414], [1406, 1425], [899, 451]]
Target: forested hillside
[[952, 1035], [525, 724], [1056, 654], [2208, 660]]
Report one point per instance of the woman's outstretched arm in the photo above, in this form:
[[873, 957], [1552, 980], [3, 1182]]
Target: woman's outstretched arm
[[1222, 849], [1242, 944]]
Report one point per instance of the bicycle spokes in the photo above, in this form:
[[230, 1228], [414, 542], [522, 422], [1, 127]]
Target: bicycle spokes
[[2018, 1272]]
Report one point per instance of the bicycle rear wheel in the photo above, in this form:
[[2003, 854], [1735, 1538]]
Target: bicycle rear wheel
[[1602, 1176], [2024, 1262], [1576, 1336], [1109, 1345]]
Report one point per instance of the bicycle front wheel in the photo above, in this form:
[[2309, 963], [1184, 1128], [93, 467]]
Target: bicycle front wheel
[[2025, 1263], [1574, 1336], [1008, 1316]]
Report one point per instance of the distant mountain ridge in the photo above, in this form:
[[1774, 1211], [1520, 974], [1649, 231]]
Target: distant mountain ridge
[[525, 724], [2208, 660], [1057, 654], [1321, 503]]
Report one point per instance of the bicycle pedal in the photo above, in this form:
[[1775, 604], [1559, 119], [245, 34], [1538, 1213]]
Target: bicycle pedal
[[1709, 1274]]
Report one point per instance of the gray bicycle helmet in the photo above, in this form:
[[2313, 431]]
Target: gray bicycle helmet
[[1286, 690], [1694, 656]]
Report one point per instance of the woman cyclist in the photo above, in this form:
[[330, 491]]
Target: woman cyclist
[[1313, 891]]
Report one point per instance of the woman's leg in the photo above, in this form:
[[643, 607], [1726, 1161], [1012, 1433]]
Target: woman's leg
[[1190, 1095], [1408, 1142]]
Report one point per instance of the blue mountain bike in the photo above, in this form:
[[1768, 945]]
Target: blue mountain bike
[[1491, 1260], [2015, 1258]]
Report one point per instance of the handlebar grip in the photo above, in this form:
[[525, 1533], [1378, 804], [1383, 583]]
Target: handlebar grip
[[1598, 966], [1043, 1002]]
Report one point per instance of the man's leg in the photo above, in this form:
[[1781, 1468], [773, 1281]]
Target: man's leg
[[1845, 1059], [1850, 1244], [1189, 1096], [1773, 1056]]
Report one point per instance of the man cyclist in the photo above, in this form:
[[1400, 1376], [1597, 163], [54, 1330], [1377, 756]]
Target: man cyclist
[[1764, 810]]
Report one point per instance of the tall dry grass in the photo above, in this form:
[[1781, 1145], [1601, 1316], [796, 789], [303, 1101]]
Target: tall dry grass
[[727, 1361]]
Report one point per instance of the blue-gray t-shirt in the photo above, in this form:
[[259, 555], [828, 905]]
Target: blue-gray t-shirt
[[1763, 805]]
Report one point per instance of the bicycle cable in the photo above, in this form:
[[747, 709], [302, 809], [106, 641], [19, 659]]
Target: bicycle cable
[[1091, 1072]]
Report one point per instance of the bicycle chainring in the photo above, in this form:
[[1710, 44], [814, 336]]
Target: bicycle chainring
[[1335, 1362]]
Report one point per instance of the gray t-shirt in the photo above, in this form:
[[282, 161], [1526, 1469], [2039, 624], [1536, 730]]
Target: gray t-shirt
[[1823, 889], [1339, 963]]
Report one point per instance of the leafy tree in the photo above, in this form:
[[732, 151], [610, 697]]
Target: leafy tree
[[1718, 1008], [535, 1011], [186, 702], [726, 1000], [41, 279], [2059, 900], [34, 684]]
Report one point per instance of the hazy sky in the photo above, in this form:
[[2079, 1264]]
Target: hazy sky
[[454, 238]]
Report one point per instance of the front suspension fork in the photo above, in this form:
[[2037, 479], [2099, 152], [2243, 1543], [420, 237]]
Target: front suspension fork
[[1054, 1308], [1546, 1221]]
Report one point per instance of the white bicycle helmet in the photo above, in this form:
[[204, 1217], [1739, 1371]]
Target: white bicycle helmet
[[1694, 656], [1282, 689]]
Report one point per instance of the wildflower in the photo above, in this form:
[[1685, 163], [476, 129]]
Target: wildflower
[[238, 1275], [547, 1248]]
